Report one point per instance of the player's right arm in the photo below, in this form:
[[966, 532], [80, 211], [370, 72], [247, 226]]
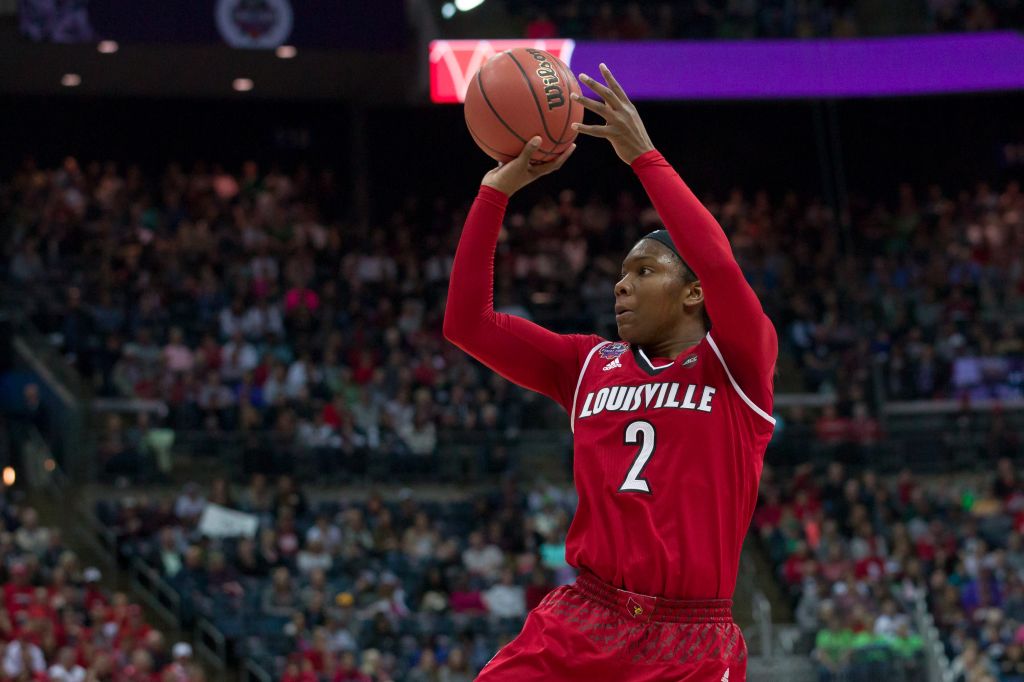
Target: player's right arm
[[519, 350]]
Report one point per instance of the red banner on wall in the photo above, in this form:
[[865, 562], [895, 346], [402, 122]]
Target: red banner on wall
[[454, 62]]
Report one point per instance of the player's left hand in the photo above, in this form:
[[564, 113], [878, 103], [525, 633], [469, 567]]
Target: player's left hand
[[623, 127]]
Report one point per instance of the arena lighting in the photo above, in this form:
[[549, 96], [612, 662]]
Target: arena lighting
[[466, 5], [49, 464], [107, 47], [242, 84], [448, 10], [286, 51], [9, 476], [71, 80]]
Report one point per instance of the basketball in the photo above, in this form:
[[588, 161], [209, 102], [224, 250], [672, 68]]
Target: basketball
[[520, 93]]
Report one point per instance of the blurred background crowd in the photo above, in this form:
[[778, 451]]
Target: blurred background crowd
[[243, 304]]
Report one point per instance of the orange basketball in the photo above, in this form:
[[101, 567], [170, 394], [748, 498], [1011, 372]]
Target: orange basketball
[[518, 94]]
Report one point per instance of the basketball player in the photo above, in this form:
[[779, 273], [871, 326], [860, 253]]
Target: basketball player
[[670, 427]]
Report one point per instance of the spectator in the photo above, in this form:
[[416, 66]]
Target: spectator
[[314, 556], [541, 26], [189, 505], [482, 559], [31, 537], [279, 598], [66, 669], [506, 599]]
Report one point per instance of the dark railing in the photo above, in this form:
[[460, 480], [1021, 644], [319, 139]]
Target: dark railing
[[64, 393], [925, 436]]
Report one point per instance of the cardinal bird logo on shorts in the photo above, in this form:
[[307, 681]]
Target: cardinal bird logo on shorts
[[634, 608]]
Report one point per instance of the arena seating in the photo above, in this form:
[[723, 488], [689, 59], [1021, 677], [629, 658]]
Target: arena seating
[[856, 551], [630, 20], [394, 584], [260, 320], [58, 624], [272, 330]]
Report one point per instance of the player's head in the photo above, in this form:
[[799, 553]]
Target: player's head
[[656, 292]]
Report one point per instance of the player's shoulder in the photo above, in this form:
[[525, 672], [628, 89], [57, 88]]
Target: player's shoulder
[[587, 344]]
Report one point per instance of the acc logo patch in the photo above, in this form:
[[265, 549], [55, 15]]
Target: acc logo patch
[[613, 350], [690, 361]]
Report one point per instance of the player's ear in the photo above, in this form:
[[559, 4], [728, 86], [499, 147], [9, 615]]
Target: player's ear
[[695, 295]]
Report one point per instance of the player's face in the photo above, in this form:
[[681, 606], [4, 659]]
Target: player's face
[[651, 295]]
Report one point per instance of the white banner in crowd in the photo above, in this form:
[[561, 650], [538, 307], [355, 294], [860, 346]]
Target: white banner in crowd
[[221, 522]]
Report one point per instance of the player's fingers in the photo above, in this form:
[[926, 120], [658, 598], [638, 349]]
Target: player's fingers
[[609, 97], [528, 149], [562, 158], [599, 108], [593, 131], [554, 164], [613, 84]]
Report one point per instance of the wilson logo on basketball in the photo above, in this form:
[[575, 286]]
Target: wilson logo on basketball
[[552, 87]]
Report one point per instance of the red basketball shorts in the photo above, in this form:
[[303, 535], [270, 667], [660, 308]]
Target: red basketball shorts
[[591, 631]]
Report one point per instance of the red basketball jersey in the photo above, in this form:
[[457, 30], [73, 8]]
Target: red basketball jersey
[[668, 456]]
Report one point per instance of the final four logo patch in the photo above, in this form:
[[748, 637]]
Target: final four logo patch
[[613, 350]]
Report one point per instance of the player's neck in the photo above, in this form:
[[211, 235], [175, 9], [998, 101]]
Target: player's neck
[[670, 348]]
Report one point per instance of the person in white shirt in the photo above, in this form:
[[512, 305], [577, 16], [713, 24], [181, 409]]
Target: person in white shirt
[[20, 656], [238, 357], [31, 537], [189, 506], [482, 559], [890, 620], [506, 599], [65, 669], [325, 532], [261, 319], [314, 556]]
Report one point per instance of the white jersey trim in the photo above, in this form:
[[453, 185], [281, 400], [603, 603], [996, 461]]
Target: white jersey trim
[[653, 366], [732, 380], [579, 381]]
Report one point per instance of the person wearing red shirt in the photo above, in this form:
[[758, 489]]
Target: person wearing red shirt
[[538, 588], [832, 429], [19, 594], [299, 671], [541, 26], [670, 425]]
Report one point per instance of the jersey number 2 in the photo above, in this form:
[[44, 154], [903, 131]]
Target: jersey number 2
[[642, 433]]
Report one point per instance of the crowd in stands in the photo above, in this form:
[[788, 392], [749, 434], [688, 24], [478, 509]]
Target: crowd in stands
[[349, 590], [245, 303], [58, 624], [856, 552], [631, 20]]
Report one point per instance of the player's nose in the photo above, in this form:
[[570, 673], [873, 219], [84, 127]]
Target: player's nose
[[623, 287]]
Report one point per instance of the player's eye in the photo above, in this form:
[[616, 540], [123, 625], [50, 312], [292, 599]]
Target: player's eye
[[645, 270]]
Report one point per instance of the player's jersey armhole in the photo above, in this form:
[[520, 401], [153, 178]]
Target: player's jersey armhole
[[579, 382], [750, 403]]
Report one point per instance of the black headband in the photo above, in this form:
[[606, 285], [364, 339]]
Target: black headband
[[666, 239]]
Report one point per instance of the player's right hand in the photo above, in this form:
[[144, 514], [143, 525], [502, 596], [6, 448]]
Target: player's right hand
[[511, 177]]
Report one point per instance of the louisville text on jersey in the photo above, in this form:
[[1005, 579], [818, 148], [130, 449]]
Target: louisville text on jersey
[[655, 396]]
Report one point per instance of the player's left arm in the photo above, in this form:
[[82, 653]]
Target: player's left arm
[[742, 331]]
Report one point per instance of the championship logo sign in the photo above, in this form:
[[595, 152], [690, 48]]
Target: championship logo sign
[[454, 62], [254, 24], [613, 350]]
